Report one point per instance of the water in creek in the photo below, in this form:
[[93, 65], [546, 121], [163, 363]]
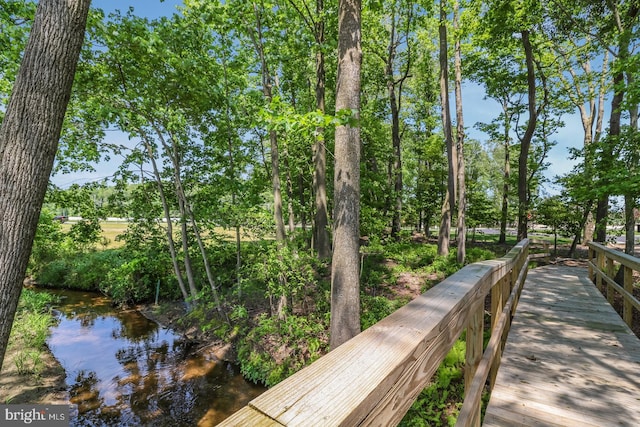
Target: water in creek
[[124, 370]]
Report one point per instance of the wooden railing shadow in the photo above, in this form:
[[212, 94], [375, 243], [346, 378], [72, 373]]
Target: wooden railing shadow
[[375, 377], [603, 266]]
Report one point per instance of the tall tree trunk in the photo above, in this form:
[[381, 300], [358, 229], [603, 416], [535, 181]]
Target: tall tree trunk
[[291, 218], [395, 174], [29, 139], [167, 214], [450, 198], [590, 224], [591, 135], [184, 239], [462, 236], [321, 240], [278, 216], [630, 199], [525, 143], [231, 171], [504, 212], [205, 259], [172, 152], [397, 160], [345, 268], [624, 40], [602, 209]]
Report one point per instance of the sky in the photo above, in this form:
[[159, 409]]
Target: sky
[[476, 109]]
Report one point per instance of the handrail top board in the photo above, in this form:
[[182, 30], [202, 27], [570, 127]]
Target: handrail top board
[[369, 377], [621, 257]]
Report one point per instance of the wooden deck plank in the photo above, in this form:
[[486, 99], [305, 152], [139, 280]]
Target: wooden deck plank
[[570, 360]]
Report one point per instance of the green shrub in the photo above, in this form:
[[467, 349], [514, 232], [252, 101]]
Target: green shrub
[[88, 270], [439, 403], [132, 281], [275, 349], [46, 243], [53, 273], [374, 309], [478, 254]]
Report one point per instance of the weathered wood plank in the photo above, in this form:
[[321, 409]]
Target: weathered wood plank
[[564, 365], [248, 416]]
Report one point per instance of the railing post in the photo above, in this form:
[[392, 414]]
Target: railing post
[[475, 330], [590, 256], [627, 313], [600, 264], [497, 304], [611, 275]]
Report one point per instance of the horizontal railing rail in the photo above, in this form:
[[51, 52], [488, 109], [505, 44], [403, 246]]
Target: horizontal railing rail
[[602, 270], [376, 376]]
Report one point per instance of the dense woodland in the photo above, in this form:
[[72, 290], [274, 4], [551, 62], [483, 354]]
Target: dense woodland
[[268, 141]]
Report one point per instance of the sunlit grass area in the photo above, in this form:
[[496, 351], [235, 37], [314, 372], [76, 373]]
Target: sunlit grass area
[[112, 229]]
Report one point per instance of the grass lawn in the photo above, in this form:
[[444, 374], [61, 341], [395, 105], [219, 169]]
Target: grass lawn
[[112, 229]]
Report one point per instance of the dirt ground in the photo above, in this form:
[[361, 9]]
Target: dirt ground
[[48, 388]]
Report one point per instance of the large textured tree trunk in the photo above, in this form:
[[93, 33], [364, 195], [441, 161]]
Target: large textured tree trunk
[[525, 143], [345, 268], [450, 201], [29, 138]]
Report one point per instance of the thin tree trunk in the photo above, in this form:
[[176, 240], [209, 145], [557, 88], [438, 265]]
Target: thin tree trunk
[[462, 252], [231, 172], [449, 203], [504, 212], [396, 164], [590, 224], [184, 239], [345, 268], [205, 260], [172, 152], [291, 215], [278, 216], [167, 214], [29, 139], [525, 143], [630, 199], [321, 240]]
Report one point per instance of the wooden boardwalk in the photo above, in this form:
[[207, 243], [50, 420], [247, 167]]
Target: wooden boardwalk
[[569, 360]]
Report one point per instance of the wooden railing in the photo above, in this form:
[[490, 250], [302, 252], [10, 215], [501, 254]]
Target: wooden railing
[[375, 377], [604, 264]]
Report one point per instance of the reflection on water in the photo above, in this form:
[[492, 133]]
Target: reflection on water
[[124, 370]]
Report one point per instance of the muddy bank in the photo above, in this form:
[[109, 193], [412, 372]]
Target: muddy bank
[[48, 388], [172, 315]]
